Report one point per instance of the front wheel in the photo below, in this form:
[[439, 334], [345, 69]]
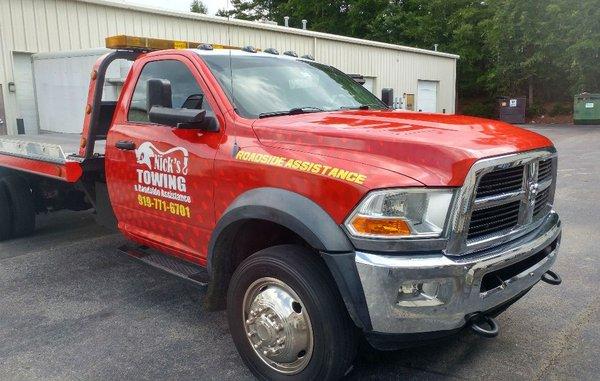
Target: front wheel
[[287, 318]]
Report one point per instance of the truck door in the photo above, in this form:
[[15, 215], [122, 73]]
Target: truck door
[[159, 177]]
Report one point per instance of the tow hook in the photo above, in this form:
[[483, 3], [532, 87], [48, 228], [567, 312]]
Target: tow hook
[[483, 325], [552, 278]]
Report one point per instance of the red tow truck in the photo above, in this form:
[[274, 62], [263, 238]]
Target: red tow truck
[[315, 214]]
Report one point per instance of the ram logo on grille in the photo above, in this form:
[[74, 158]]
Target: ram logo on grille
[[532, 183]]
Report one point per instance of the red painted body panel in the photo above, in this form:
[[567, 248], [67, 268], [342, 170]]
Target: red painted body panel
[[434, 149], [183, 236]]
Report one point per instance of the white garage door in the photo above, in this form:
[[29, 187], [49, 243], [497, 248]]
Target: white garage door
[[26, 106], [61, 83], [427, 96]]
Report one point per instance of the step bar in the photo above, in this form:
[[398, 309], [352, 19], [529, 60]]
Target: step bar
[[182, 269]]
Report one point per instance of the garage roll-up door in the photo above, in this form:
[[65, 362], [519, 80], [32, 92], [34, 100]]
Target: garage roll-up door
[[427, 96]]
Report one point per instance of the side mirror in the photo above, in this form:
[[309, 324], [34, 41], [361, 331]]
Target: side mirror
[[183, 118], [158, 93]]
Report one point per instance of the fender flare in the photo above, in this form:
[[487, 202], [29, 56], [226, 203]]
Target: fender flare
[[291, 210], [309, 221]]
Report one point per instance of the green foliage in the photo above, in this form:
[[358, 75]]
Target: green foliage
[[561, 108], [197, 6], [252, 9], [484, 109], [550, 48], [534, 110], [584, 51], [457, 26]]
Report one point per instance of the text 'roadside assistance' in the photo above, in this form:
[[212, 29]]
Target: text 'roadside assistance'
[[302, 166]]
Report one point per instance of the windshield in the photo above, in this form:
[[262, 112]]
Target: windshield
[[270, 86]]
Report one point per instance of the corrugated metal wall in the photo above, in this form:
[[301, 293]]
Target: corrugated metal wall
[[62, 25]]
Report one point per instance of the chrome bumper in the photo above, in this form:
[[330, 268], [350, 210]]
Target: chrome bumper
[[445, 289]]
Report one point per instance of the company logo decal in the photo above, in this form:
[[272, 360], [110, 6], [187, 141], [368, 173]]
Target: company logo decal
[[161, 173], [302, 166], [146, 153]]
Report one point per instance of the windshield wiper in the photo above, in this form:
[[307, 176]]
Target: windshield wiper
[[292, 111], [370, 106], [361, 107]]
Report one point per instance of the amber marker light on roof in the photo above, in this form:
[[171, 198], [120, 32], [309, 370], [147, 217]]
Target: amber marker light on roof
[[145, 43]]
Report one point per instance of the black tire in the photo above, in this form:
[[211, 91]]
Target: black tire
[[22, 205], [5, 214], [334, 334]]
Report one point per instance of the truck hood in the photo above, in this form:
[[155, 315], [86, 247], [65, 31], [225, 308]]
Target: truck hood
[[434, 149]]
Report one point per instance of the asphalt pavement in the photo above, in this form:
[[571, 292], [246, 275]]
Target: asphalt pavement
[[73, 308]]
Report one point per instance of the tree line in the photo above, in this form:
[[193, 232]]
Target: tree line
[[547, 50]]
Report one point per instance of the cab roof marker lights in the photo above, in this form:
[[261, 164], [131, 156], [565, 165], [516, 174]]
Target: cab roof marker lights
[[249, 49], [272, 51]]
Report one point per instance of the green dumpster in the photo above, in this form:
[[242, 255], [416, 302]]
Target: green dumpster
[[586, 109]]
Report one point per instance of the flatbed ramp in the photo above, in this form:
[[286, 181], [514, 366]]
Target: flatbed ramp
[[49, 154], [52, 147]]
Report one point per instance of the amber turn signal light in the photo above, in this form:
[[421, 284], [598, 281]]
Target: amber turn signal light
[[380, 226]]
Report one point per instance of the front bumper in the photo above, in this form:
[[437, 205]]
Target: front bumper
[[452, 287]]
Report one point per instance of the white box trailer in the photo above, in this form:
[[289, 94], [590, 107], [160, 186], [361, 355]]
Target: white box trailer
[[61, 87]]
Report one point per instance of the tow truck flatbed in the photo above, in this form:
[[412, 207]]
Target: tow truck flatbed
[[49, 154]]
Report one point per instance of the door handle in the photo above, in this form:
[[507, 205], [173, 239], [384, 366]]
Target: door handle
[[125, 145]]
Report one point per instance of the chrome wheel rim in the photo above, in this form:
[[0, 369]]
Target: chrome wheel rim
[[277, 325]]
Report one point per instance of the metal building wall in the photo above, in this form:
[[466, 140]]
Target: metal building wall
[[33, 26]]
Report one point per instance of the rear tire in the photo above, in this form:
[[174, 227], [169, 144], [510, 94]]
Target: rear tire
[[313, 339], [5, 214], [22, 205]]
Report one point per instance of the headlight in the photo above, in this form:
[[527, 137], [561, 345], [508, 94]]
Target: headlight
[[401, 213]]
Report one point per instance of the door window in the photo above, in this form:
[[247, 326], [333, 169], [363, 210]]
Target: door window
[[185, 91]]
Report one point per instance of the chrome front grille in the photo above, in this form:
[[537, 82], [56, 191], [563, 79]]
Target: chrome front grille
[[490, 217], [494, 219], [503, 198], [545, 170], [541, 203], [500, 181], [510, 198]]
